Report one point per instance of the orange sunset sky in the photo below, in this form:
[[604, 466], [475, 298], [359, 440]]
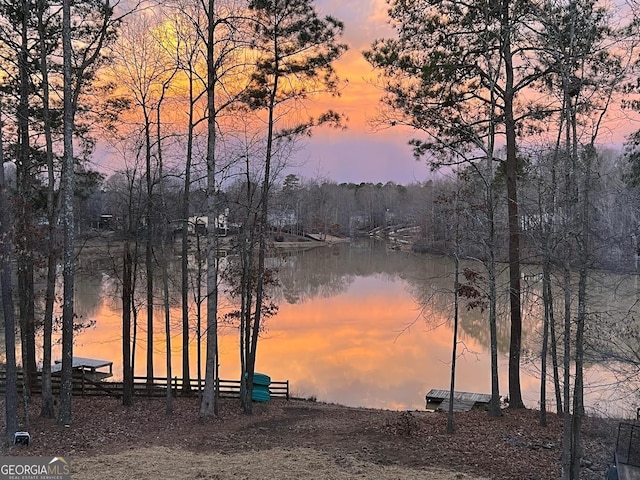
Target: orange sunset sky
[[362, 154]]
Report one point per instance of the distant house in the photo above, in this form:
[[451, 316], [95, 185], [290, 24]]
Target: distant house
[[282, 219], [197, 225], [107, 222], [200, 224]]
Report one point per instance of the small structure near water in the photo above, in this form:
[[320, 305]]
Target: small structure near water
[[92, 368], [438, 400]]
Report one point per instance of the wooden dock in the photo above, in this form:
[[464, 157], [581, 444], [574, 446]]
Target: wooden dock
[[91, 367], [438, 400]]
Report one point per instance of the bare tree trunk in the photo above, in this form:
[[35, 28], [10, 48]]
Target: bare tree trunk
[[209, 405], [164, 235], [186, 377], [184, 274], [167, 331], [134, 338], [547, 291], [584, 250], [566, 416], [554, 360], [198, 299], [246, 287], [454, 348], [149, 253], [25, 191], [11, 386], [578, 386], [494, 404], [127, 296], [132, 229], [246, 303], [248, 270], [26, 295], [545, 345], [65, 416], [515, 391], [47, 409]]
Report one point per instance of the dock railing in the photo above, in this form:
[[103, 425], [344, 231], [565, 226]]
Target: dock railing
[[85, 385], [227, 388]]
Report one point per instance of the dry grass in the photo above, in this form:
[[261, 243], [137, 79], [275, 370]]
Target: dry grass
[[281, 464]]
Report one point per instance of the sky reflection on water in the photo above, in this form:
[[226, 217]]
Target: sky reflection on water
[[349, 330]]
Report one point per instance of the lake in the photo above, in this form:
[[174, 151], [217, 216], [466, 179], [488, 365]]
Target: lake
[[358, 324]]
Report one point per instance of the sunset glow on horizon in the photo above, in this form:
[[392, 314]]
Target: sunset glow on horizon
[[323, 347]]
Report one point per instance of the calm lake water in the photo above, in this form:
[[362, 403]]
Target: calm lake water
[[357, 324]]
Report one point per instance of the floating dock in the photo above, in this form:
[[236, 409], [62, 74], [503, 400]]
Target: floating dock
[[462, 401]]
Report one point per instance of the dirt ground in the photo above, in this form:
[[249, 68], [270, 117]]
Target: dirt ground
[[302, 439]]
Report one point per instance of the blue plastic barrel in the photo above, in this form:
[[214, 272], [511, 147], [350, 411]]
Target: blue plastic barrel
[[261, 393], [261, 379]]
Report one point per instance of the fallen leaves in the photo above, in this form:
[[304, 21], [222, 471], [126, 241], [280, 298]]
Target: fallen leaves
[[343, 441]]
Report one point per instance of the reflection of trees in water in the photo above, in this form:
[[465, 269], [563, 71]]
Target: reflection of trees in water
[[614, 321], [3, 349], [432, 288], [328, 271], [308, 274], [613, 326], [305, 274], [99, 284], [613, 329], [325, 272], [94, 272], [433, 291], [88, 295]]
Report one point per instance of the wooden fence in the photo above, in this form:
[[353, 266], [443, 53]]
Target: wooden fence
[[84, 385]]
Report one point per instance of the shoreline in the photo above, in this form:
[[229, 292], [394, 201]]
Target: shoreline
[[298, 439]]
